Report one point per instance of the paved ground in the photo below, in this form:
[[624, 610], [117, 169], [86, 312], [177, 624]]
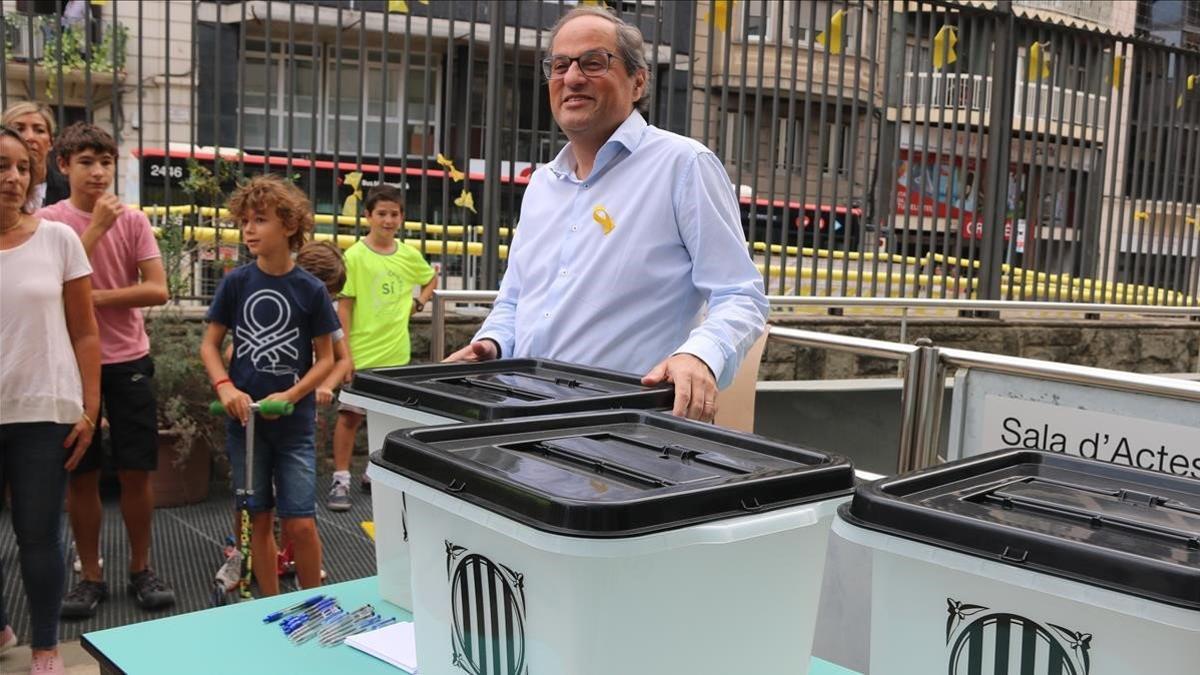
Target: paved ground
[[187, 550], [77, 661]]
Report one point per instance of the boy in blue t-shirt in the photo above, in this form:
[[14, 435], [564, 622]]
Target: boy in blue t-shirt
[[279, 315]]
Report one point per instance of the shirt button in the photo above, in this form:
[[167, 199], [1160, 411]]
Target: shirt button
[[574, 228], [547, 315], [585, 186], [564, 273]]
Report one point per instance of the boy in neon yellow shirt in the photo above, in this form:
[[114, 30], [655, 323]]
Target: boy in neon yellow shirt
[[375, 305]]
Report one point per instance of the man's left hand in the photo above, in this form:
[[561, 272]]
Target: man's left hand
[[695, 386]]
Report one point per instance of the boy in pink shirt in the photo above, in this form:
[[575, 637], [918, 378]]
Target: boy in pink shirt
[[128, 275]]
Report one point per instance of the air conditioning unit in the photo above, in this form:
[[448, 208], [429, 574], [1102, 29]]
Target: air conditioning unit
[[26, 46]]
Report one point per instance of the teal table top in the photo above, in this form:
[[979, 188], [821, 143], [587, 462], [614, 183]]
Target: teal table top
[[233, 639]]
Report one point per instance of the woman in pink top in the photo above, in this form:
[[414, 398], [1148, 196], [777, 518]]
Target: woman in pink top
[[49, 388]]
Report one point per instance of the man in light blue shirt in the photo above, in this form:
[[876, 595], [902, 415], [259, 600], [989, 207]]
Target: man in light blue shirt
[[630, 253]]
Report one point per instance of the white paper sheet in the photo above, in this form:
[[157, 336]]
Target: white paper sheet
[[395, 644]]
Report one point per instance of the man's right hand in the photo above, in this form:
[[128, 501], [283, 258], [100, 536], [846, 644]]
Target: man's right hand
[[484, 350], [108, 208]]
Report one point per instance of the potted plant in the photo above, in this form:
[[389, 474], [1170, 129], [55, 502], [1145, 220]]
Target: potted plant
[[187, 432]]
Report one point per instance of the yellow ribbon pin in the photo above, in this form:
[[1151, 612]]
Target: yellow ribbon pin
[[600, 215]]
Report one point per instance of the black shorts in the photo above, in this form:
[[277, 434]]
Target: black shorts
[[127, 402]]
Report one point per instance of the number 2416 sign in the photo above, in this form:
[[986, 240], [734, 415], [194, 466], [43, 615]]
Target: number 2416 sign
[[164, 171]]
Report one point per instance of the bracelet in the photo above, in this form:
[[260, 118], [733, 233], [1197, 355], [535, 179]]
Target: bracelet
[[420, 305], [88, 420], [217, 385]]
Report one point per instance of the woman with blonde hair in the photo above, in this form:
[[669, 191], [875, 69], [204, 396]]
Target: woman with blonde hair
[[35, 123], [49, 389]]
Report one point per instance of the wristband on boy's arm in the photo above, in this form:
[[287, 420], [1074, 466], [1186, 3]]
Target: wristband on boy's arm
[[217, 385]]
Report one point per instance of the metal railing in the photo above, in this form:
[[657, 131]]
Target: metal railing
[[914, 431], [441, 298], [860, 171], [923, 366], [945, 359], [971, 92]]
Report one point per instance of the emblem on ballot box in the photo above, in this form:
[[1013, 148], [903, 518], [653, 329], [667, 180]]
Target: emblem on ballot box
[[980, 640], [487, 602]]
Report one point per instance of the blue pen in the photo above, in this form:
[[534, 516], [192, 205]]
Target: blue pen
[[386, 622], [359, 614], [310, 629], [316, 610], [372, 623], [295, 623], [275, 616], [320, 613]]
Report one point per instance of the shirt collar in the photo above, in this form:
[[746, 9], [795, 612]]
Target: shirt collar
[[628, 135]]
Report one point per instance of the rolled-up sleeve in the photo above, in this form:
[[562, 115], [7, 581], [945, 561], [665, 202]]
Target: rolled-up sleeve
[[709, 224]]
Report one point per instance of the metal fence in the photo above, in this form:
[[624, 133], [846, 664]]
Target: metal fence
[[882, 149]]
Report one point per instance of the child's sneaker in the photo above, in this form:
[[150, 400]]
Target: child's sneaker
[[81, 602], [339, 497], [8, 638], [45, 663], [150, 591]]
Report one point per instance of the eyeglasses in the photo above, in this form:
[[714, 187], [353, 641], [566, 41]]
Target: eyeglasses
[[591, 64]]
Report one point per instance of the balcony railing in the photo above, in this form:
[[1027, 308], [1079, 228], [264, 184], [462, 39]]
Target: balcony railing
[[1043, 103]]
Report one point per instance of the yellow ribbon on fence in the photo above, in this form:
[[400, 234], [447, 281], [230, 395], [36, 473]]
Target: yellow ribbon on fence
[[834, 38], [466, 200], [448, 164]]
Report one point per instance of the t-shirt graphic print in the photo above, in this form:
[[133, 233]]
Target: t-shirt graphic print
[[266, 336]]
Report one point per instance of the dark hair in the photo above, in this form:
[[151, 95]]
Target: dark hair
[[383, 193], [33, 160], [266, 192], [323, 260], [630, 44], [83, 136]]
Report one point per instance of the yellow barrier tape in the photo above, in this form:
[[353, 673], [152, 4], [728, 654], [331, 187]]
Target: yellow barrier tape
[[776, 249]]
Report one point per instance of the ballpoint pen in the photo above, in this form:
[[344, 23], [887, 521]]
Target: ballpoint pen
[[310, 629], [373, 623], [293, 623], [310, 611], [299, 607], [357, 615]]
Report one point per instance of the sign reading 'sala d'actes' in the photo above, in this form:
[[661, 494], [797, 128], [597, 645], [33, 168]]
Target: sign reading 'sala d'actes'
[[1128, 441]]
